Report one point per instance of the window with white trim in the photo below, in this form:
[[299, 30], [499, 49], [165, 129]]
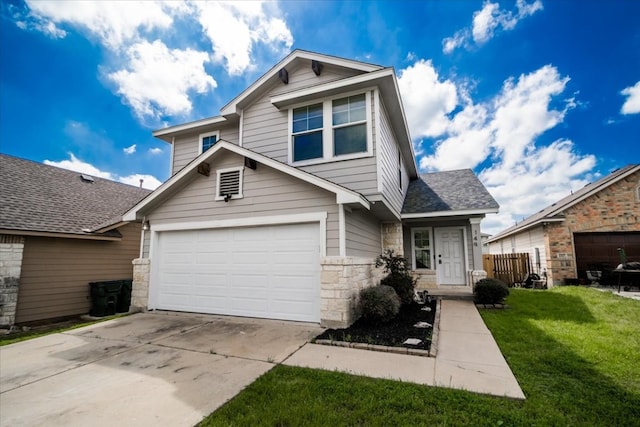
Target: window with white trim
[[208, 140], [307, 133], [349, 125], [229, 184], [421, 248], [336, 128]]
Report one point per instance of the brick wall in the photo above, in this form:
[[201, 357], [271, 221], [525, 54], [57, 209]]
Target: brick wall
[[615, 208], [11, 250]]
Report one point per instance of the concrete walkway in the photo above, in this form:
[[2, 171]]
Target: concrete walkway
[[468, 357]]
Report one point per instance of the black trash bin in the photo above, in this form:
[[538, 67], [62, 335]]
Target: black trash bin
[[104, 297], [124, 299]]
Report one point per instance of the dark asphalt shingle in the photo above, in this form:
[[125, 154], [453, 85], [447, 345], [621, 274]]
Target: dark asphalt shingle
[[38, 197], [447, 191]]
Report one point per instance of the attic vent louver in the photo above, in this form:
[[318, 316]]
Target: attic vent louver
[[229, 185], [86, 178]]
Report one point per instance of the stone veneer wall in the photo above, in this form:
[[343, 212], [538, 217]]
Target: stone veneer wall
[[392, 237], [615, 208], [425, 279], [341, 279], [11, 250], [140, 288]]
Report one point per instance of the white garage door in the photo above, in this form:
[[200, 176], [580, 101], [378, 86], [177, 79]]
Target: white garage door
[[271, 272]]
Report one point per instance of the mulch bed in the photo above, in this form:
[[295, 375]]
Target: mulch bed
[[392, 333]]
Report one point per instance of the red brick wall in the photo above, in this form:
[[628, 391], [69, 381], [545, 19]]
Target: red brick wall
[[615, 208]]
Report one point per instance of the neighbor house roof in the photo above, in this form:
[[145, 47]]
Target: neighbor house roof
[[449, 193], [343, 195], [38, 199], [554, 212]]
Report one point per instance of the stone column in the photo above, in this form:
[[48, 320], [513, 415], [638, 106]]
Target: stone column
[[140, 289], [392, 237], [11, 250]]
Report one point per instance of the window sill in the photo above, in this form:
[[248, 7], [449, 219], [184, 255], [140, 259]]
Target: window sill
[[331, 160]]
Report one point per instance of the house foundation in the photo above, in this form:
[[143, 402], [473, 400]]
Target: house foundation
[[11, 250]]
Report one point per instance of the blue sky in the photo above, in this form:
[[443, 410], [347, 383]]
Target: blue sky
[[538, 97]]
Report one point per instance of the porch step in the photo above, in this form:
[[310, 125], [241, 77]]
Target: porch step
[[452, 293]]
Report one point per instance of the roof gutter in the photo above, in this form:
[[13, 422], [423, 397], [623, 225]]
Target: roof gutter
[[440, 214]]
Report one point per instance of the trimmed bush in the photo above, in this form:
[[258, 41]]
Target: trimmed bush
[[490, 291], [378, 304], [399, 277], [403, 284]]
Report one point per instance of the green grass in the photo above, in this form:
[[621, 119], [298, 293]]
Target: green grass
[[574, 351], [43, 330]]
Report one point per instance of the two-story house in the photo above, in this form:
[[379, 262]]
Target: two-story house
[[278, 207]]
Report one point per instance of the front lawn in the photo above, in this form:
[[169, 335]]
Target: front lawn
[[574, 351]]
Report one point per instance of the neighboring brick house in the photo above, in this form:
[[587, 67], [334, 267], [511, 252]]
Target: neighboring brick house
[[60, 230], [583, 229]]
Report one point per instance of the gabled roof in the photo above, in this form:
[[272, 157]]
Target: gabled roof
[[272, 75], [554, 212], [369, 75], [449, 193], [38, 199], [343, 195]]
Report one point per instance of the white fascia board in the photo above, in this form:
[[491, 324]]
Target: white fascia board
[[343, 195], [293, 97], [443, 214], [172, 130], [593, 191], [231, 107], [242, 222]]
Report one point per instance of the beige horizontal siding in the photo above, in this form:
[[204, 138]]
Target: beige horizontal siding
[[187, 147], [56, 272], [358, 174], [388, 152], [363, 237], [266, 191]]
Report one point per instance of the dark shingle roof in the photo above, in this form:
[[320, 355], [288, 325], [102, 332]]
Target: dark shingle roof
[[42, 198], [457, 190]]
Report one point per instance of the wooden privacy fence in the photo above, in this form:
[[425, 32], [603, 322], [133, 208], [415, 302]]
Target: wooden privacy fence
[[510, 268]]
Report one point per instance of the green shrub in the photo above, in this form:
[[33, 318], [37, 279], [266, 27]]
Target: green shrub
[[378, 304], [404, 285], [399, 277], [490, 291]]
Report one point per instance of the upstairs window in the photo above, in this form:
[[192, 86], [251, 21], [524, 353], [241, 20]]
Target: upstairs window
[[208, 140], [229, 184], [338, 128], [349, 125], [307, 133]]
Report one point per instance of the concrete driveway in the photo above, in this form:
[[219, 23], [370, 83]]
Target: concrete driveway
[[140, 370]]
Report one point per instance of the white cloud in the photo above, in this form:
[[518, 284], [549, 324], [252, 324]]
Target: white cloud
[[632, 104], [149, 182], [158, 79], [235, 27], [111, 21], [487, 21], [155, 151], [130, 150], [524, 175], [427, 99], [77, 165]]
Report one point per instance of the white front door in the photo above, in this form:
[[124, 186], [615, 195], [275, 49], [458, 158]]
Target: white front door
[[449, 255]]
